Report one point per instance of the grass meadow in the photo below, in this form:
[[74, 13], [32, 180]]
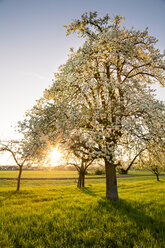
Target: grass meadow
[[58, 214]]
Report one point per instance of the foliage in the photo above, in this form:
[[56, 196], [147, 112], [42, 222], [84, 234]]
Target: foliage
[[100, 96], [99, 171]]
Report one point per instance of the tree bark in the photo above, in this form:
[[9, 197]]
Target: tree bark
[[19, 178], [157, 176], [111, 181], [81, 180]]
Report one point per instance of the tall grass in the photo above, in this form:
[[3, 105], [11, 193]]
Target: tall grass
[[64, 216]]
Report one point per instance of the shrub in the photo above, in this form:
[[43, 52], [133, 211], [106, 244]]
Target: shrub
[[99, 171]]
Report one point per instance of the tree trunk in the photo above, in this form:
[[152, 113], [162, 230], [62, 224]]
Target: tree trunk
[[111, 181], [81, 180], [157, 176], [19, 178]]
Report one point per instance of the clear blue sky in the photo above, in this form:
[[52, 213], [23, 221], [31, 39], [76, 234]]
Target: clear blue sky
[[33, 45]]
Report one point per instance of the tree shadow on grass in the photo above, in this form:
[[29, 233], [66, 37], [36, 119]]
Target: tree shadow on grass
[[87, 190], [136, 214], [12, 194], [161, 180]]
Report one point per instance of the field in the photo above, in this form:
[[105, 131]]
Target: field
[[57, 214]]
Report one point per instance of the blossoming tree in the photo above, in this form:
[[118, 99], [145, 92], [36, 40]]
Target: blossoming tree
[[101, 93]]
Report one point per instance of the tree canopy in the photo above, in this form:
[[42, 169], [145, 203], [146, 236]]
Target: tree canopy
[[101, 95]]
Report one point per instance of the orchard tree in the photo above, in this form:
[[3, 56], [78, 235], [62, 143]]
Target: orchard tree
[[40, 130], [15, 148], [153, 160], [102, 91], [44, 127], [82, 158], [105, 82], [81, 166]]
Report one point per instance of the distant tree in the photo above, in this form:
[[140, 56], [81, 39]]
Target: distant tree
[[153, 159], [82, 155], [15, 149], [36, 133], [81, 166], [131, 149]]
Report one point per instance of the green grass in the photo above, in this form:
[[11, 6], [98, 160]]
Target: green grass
[[64, 174], [39, 173], [52, 215], [57, 174]]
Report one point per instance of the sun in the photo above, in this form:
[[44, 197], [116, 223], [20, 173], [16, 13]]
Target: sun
[[55, 157]]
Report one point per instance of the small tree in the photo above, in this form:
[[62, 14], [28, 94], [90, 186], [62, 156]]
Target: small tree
[[15, 149], [82, 157], [81, 166], [153, 160]]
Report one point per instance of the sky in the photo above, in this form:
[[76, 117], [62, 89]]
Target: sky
[[33, 45]]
